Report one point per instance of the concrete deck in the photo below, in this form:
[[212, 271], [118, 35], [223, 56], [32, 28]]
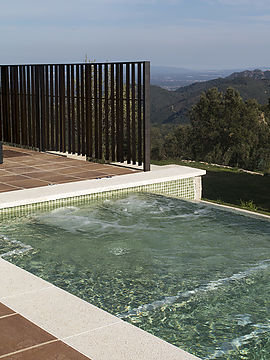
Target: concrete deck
[[53, 324]]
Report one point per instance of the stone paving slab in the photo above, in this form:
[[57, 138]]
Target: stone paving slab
[[26, 169]]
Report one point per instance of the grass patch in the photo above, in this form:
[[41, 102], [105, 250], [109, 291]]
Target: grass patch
[[232, 187], [250, 192]]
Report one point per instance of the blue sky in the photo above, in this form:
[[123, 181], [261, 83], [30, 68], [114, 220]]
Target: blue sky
[[196, 34]]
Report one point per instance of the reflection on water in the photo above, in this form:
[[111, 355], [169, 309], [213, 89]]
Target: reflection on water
[[193, 275]]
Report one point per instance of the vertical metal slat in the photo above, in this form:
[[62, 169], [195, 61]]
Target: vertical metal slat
[[37, 105], [17, 124], [133, 121], [78, 124], [96, 110], [128, 112], [146, 114], [52, 104], [23, 105], [1, 107], [112, 115], [106, 110], [47, 114], [42, 108], [68, 110], [12, 133], [56, 107], [88, 110], [82, 110], [100, 117], [121, 115], [72, 83], [29, 113], [139, 112], [117, 125], [62, 108], [33, 111]]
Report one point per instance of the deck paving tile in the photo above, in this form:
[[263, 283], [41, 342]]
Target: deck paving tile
[[10, 153], [5, 187], [94, 174], [29, 183], [41, 175], [4, 310], [52, 166], [70, 170], [65, 181], [96, 167], [70, 162], [54, 351], [8, 164], [22, 169], [3, 171], [120, 171], [19, 333], [33, 161], [37, 169], [11, 177], [55, 177], [57, 159]]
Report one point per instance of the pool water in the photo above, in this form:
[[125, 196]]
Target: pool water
[[191, 274]]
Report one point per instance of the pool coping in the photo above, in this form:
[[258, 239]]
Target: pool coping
[[237, 210], [93, 332], [157, 175]]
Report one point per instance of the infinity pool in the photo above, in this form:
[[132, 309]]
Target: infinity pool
[[196, 276]]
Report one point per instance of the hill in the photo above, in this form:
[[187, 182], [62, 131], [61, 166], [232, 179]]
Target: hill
[[171, 107], [165, 105], [171, 78]]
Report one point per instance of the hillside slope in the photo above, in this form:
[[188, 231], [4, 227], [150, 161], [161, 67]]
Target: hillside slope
[[171, 107]]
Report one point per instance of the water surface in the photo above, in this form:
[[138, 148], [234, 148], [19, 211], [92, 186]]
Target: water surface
[[194, 275]]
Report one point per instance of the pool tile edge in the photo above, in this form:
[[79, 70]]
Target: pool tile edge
[[177, 181]]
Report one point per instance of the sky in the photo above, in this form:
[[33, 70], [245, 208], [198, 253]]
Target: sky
[[194, 34]]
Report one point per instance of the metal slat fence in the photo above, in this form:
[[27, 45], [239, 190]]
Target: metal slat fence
[[101, 110]]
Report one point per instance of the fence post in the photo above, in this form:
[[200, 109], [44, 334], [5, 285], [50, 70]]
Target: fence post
[[1, 105], [1, 153], [146, 111]]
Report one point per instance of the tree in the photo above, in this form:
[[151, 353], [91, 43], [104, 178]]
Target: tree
[[229, 131]]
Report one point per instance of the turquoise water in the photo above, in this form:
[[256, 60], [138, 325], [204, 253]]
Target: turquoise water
[[196, 276]]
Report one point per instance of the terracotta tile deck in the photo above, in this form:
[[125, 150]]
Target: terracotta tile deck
[[24, 169], [23, 340]]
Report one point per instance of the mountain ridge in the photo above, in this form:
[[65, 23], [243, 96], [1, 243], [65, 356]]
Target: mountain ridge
[[172, 107]]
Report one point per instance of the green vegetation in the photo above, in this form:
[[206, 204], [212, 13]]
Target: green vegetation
[[224, 130], [227, 130], [232, 186], [247, 191], [172, 107]]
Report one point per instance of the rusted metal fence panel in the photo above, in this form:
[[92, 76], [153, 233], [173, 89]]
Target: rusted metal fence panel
[[101, 110]]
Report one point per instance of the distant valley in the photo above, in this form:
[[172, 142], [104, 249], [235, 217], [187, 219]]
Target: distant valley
[[171, 78], [171, 107]]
